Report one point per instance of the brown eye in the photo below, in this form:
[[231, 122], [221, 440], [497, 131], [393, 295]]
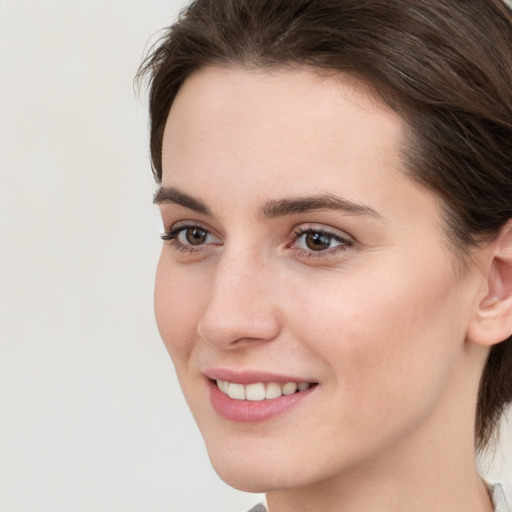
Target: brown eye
[[318, 241], [192, 237], [195, 236]]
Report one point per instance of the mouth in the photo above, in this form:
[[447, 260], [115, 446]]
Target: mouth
[[255, 397], [259, 391]]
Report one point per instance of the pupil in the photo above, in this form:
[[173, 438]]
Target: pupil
[[317, 241], [195, 236]]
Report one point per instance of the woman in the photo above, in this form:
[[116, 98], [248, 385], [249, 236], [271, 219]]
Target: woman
[[335, 284]]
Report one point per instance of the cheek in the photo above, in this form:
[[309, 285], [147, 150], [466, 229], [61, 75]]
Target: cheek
[[178, 299], [384, 335]]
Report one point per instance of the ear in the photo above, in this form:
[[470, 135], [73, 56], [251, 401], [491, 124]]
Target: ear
[[492, 322]]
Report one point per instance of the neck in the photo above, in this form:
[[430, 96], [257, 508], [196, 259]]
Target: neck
[[438, 486]]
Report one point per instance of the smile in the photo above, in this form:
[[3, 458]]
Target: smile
[[260, 391]]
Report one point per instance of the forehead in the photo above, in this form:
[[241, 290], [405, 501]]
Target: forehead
[[234, 97], [278, 120]]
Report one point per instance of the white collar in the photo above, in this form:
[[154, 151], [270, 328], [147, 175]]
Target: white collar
[[495, 491]]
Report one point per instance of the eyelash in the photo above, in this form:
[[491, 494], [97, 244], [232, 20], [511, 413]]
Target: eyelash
[[344, 242], [172, 237]]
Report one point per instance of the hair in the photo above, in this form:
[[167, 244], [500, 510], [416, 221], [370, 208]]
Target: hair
[[444, 65]]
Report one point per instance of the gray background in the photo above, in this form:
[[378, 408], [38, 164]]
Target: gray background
[[92, 418]]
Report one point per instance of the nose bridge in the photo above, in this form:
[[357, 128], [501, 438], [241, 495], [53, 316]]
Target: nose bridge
[[235, 269], [240, 306]]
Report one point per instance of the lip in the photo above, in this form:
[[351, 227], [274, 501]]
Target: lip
[[251, 377], [247, 411]]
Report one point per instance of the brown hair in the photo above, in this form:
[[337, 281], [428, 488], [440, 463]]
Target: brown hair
[[444, 65]]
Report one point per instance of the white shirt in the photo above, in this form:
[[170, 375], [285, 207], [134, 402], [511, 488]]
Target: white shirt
[[495, 491]]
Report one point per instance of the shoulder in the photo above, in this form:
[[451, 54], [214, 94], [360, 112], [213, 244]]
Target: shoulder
[[258, 508], [498, 498]]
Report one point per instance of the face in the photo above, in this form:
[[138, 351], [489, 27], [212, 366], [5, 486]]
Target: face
[[306, 291]]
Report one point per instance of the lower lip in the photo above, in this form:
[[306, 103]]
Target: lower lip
[[247, 411]]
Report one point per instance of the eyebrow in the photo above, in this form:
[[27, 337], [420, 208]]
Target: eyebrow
[[175, 196], [280, 207], [273, 208]]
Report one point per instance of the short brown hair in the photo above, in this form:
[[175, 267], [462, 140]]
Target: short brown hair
[[444, 65]]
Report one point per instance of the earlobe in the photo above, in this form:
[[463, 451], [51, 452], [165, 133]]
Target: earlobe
[[492, 322]]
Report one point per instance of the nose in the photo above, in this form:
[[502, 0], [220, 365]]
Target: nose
[[242, 305]]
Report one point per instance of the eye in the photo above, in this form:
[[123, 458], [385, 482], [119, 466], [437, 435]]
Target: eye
[[190, 237], [319, 241], [316, 241]]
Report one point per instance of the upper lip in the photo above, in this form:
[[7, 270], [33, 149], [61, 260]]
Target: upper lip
[[251, 376]]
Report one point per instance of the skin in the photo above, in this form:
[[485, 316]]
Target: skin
[[379, 319]]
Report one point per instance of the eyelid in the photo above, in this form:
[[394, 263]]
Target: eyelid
[[346, 241], [189, 223], [323, 228], [176, 228]]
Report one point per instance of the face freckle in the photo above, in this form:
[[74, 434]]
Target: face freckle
[[373, 319]]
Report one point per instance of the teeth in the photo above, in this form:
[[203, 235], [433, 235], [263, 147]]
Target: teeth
[[259, 391], [289, 388], [236, 391], [255, 392], [273, 390]]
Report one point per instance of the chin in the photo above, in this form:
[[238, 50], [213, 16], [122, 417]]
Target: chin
[[261, 472], [247, 481], [245, 471], [248, 477]]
